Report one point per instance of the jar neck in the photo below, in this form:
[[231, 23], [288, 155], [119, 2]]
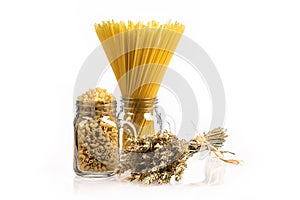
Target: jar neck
[[146, 104], [95, 108]]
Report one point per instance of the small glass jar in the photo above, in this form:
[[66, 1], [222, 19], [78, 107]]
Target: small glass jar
[[140, 117], [96, 139]]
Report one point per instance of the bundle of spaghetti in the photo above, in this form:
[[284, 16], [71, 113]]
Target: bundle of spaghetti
[[139, 55]]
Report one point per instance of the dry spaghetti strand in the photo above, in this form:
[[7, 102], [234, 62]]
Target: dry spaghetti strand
[[139, 54]]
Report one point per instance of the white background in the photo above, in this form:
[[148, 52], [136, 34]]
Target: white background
[[254, 44]]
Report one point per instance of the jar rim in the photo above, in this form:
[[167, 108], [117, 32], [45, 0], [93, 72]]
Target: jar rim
[[139, 103], [97, 103], [129, 99]]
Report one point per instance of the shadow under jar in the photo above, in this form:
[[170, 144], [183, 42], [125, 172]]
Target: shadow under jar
[[96, 139]]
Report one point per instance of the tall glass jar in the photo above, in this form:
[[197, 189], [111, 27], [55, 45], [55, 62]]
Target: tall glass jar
[[96, 139], [144, 116]]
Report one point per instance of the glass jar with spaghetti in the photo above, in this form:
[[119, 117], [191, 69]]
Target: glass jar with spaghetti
[[141, 118], [95, 134]]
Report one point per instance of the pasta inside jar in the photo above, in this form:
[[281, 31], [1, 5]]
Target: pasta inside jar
[[96, 134]]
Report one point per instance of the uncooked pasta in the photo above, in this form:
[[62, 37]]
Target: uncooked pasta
[[139, 55]]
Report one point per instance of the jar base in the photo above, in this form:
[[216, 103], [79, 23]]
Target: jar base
[[93, 174]]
